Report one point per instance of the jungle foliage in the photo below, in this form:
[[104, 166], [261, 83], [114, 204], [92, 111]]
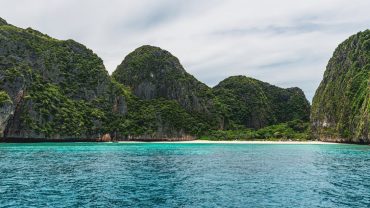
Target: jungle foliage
[[60, 89], [341, 105]]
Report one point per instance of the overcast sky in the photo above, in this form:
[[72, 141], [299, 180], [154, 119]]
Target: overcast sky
[[284, 42]]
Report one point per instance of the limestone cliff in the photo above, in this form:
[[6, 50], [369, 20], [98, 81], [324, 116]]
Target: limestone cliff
[[57, 89], [152, 73], [341, 105], [237, 102], [255, 104]]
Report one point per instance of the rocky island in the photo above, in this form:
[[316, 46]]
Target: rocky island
[[341, 105], [54, 90]]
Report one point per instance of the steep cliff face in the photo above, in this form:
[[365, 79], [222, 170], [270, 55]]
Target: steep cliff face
[[154, 73], [237, 102], [53, 90], [255, 104], [57, 89], [341, 105], [157, 119], [6, 110], [158, 79]]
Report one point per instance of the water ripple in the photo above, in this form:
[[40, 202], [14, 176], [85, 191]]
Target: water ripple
[[183, 175]]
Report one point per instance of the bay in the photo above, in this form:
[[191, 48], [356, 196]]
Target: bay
[[184, 175]]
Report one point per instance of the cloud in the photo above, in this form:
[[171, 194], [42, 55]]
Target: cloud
[[287, 43]]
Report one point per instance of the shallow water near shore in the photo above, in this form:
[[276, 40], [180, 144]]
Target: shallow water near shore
[[184, 175]]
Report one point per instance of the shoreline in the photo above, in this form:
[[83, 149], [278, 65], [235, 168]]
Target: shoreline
[[183, 142], [233, 142]]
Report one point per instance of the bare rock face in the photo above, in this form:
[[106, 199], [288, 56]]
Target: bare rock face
[[106, 138], [2, 22], [6, 111], [120, 106], [341, 105]]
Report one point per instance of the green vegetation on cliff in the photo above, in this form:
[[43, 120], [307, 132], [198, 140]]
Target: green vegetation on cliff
[[157, 118], [153, 73], [59, 90], [4, 98], [341, 105], [292, 130], [237, 102], [254, 104]]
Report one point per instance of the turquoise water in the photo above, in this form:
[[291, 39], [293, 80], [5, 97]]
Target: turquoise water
[[183, 175]]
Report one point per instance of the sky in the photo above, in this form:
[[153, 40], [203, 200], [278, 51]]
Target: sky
[[286, 43]]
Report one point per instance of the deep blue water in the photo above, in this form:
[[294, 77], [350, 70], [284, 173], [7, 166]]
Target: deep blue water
[[183, 175]]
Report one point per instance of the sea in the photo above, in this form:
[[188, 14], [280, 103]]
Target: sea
[[184, 175]]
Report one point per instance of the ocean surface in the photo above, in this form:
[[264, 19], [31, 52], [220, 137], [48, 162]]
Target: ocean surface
[[184, 175]]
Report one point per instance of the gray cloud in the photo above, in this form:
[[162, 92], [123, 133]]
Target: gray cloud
[[286, 42]]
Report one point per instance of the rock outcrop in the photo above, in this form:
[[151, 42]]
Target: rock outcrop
[[2, 22], [341, 105], [6, 111], [255, 104], [153, 73], [53, 90], [237, 102], [56, 89]]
